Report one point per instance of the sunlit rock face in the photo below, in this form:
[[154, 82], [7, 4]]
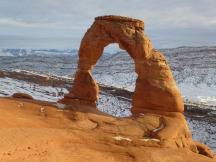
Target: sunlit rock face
[[155, 87]]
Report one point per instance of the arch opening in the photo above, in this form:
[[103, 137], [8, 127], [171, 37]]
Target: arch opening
[[115, 73]]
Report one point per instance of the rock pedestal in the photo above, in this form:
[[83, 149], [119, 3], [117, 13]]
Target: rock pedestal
[[155, 87]]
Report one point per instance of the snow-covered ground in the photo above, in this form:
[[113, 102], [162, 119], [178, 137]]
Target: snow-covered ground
[[202, 93], [106, 103], [112, 105], [204, 131], [194, 69], [10, 86], [203, 126]]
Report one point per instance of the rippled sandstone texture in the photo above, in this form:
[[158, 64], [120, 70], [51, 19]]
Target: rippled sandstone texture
[[155, 87], [35, 131]]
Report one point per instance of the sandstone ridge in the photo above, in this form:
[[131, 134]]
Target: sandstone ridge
[[40, 131]]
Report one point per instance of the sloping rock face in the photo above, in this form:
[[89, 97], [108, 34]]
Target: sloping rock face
[[155, 86], [35, 131]]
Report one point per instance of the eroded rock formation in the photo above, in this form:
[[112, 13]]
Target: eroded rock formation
[[155, 87], [32, 131]]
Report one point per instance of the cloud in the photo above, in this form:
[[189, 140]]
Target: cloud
[[9, 22], [73, 17], [154, 12], [19, 23]]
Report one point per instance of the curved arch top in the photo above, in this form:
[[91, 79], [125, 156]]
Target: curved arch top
[[155, 87]]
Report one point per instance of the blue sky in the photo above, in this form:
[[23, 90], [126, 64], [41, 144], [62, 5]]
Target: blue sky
[[169, 23]]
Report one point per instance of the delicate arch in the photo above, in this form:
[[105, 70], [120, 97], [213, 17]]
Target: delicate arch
[[155, 86]]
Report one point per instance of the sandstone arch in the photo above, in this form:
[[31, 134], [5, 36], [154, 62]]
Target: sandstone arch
[[155, 87]]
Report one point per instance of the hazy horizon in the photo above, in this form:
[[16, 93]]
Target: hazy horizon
[[74, 43]]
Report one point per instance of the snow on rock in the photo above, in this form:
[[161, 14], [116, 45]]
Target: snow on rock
[[119, 138]]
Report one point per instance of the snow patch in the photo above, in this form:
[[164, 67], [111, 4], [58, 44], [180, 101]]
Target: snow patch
[[10, 86], [150, 139], [119, 138], [159, 128], [198, 94]]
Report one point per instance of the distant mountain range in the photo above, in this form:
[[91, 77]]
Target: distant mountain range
[[194, 68], [25, 52]]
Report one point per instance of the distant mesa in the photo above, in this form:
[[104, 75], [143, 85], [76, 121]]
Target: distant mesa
[[155, 86]]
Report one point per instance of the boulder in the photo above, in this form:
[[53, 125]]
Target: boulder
[[22, 95]]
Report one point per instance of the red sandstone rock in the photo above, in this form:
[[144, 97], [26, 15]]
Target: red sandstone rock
[[204, 150], [155, 87], [2, 75], [22, 95], [80, 133]]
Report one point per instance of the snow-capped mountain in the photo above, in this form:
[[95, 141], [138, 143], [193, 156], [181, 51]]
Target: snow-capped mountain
[[26, 52]]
